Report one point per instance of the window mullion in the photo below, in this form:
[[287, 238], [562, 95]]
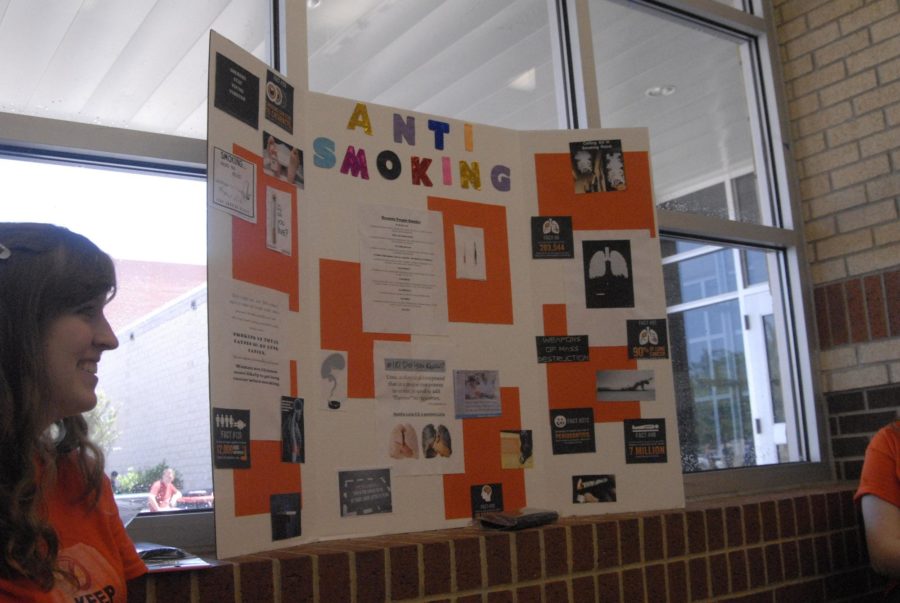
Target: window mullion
[[58, 140], [712, 11], [680, 224], [573, 54]]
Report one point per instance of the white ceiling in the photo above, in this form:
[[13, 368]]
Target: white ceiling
[[137, 64], [142, 64], [456, 58]]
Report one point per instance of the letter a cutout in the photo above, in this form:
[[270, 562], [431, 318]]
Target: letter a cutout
[[360, 119]]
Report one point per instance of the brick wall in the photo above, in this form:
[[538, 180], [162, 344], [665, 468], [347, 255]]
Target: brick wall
[[853, 417], [841, 64], [798, 546]]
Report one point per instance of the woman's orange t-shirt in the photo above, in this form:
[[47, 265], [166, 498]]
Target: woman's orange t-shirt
[[881, 473], [93, 546], [881, 469]]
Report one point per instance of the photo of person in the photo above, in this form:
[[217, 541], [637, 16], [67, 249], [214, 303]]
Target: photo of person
[[163, 493], [476, 393], [281, 160]]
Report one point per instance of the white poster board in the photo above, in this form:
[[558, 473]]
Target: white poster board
[[414, 320]]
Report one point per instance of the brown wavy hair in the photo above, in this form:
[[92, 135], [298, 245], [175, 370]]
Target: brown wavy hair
[[45, 272]]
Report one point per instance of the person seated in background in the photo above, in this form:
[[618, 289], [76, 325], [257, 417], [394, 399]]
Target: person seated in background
[[879, 497], [163, 493]]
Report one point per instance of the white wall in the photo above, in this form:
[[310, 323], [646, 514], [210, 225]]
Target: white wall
[[159, 378]]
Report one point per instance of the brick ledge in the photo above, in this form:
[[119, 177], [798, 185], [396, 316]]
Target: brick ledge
[[801, 544]]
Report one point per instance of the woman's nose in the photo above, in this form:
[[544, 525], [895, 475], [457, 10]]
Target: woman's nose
[[104, 336]]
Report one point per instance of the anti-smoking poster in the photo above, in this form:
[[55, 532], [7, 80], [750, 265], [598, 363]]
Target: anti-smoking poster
[[415, 319]]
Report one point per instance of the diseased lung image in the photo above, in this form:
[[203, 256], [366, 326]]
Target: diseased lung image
[[608, 278], [597, 166]]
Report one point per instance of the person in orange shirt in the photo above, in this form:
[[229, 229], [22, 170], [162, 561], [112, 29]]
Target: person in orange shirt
[[61, 538], [879, 497], [163, 493]]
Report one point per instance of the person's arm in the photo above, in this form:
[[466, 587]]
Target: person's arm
[[176, 496], [132, 565], [154, 489], [882, 523]]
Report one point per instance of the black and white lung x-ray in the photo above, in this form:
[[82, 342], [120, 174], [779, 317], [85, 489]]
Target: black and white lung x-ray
[[608, 274]]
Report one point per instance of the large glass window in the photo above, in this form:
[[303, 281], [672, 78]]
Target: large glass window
[[691, 87], [697, 87], [727, 356], [154, 228], [485, 62]]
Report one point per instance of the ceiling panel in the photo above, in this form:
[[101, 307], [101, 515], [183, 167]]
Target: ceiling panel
[[178, 104], [484, 93], [137, 64], [32, 37], [65, 86], [480, 48], [486, 62], [163, 40], [346, 37]]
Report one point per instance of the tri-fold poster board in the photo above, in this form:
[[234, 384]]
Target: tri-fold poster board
[[414, 320]]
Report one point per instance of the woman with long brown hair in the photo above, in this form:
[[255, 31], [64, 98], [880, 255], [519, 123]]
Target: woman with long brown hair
[[60, 533]]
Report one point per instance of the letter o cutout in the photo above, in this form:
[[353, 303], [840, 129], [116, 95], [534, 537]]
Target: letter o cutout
[[388, 165]]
